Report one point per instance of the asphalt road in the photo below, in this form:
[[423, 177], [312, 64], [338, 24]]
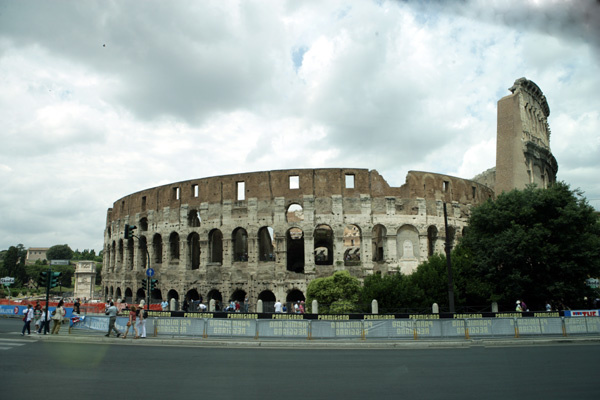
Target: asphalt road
[[32, 367]]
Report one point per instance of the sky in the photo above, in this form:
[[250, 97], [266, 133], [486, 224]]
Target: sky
[[101, 99]]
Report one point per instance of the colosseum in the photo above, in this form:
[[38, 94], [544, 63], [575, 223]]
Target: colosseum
[[267, 235]]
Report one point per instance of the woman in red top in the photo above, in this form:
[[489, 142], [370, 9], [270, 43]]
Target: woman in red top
[[131, 323]]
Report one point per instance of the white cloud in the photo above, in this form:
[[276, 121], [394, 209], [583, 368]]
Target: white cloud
[[189, 90]]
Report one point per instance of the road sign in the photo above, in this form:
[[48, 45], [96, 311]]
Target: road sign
[[7, 280], [150, 272]]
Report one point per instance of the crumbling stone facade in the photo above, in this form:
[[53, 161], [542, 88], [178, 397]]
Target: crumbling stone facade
[[266, 235]]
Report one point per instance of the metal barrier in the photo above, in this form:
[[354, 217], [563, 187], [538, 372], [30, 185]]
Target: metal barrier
[[376, 329]]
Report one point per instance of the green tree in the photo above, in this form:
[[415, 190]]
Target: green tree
[[394, 293], [14, 264], [536, 245], [59, 252], [338, 293]]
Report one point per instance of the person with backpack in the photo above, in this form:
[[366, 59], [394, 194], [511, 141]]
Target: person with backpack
[[141, 321]]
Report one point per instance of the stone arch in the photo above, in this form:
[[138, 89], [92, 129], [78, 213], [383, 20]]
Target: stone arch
[[294, 213], [266, 249], [239, 243], [174, 246], [143, 224], [323, 239], [192, 295], [194, 250], [215, 246], [157, 246], [139, 295], [432, 236], [118, 294], [194, 219], [215, 295], [120, 254], [450, 235], [173, 294], [128, 296], [352, 244], [156, 296], [407, 242], [378, 241], [295, 295], [143, 251], [295, 249], [268, 299], [113, 254], [238, 295], [129, 261]]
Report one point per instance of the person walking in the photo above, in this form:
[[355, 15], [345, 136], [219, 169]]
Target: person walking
[[131, 323], [27, 318], [57, 317], [37, 315], [141, 322], [112, 313]]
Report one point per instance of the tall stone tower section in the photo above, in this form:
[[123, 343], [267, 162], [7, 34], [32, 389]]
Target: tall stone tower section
[[523, 153]]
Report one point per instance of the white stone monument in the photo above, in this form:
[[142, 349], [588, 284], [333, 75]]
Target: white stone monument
[[85, 280]]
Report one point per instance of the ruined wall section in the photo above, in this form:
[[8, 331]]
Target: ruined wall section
[[523, 153], [407, 214]]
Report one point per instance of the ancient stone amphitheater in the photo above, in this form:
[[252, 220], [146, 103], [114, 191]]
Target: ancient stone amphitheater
[[266, 235]]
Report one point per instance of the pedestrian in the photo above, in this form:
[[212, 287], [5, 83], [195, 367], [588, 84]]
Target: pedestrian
[[524, 306], [297, 307], [44, 322], [141, 321], [237, 306], [548, 306], [131, 323], [57, 317], [202, 307], [164, 305], [246, 303], [27, 318], [76, 306], [37, 315], [302, 307], [112, 312], [278, 307], [519, 308]]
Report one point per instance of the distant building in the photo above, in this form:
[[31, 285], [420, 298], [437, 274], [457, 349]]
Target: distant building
[[36, 253]]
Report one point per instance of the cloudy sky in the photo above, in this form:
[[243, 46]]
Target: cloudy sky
[[102, 99]]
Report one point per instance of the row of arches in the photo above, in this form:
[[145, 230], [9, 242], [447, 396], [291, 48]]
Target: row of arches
[[264, 247], [193, 297]]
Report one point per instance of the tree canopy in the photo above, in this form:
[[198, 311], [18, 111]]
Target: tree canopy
[[336, 293], [59, 252], [536, 245]]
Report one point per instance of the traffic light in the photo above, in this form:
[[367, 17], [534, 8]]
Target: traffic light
[[153, 283], [43, 280], [144, 283], [55, 279], [129, 231]]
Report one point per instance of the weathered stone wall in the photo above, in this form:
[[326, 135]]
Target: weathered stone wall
[[178, 223]]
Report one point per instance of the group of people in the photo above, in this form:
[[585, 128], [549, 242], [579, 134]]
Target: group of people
[[137, 320], [295, 308], [41, 319]]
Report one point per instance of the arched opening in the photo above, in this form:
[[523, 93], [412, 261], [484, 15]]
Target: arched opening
[[143, 252], [140, 295], [144, 224], [215, 295], [238, 295], [432, 234], [194, 219], [130, 254], [193, 299], [194, 250], [268, 299], [174, 246], [118, 294], [266, 240], [106, 295], [215, 246], [239, 241], [378, 243], [113, 256], [295, 250], [450, 234], [352, 242], [407, 242], [128, 296], [120, 260], [293, 300], [172, 294], [157, 245], [294, 213], [156, 296], [323, 238]]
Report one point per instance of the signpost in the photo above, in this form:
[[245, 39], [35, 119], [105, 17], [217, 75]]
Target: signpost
[[7, 281]]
